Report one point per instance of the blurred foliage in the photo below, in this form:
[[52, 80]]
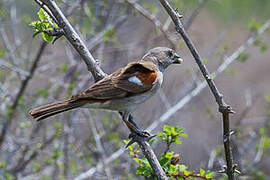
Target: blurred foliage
[[230, 10]]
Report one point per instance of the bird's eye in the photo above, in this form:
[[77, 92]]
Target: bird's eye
[[170, 53]]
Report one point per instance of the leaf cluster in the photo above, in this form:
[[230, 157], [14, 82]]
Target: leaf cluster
[[43, 24], [169, 160]]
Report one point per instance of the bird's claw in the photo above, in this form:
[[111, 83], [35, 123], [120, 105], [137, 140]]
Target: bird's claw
[[136, 137], [143, 133]]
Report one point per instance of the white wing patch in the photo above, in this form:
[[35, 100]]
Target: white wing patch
[[135, 80]]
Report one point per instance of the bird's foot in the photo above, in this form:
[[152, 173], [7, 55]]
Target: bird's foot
[[141, 133], [139, 136]]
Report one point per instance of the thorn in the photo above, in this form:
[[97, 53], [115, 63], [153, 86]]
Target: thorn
[[230, 110], [136, 138], [225, 138], [151, 137], [132, 141], [177, 29], [223, 170], [56, 38], [178, 14], [98, 62]]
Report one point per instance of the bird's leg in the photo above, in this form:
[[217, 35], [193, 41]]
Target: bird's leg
[[128, 120]]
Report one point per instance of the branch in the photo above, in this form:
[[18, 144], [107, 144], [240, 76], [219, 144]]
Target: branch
[[23, 163], [23, 86], [98, 143], [98, 74]]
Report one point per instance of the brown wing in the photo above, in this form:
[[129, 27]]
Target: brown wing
[[118, 85]]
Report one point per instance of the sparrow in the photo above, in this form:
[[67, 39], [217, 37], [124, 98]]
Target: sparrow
[[120, 91]]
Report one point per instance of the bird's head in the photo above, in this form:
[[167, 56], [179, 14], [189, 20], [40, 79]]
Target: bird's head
[[162, 57]]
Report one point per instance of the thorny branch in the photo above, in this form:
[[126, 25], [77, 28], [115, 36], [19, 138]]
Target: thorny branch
[[98, 74], [223, 107]]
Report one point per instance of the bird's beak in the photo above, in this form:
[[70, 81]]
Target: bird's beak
[[177, 59]]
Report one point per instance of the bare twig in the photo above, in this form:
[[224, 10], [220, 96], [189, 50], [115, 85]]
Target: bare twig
[[194, 14], [100, 36], [22, 164], [99, 143], [23, 86], [153, 19], [16, 69]]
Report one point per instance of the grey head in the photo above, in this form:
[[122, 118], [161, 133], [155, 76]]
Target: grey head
[[162, 57]]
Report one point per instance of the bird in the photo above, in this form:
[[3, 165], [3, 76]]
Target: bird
[[122, 91]]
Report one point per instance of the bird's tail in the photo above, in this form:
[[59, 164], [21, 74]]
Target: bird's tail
[[48, 110]]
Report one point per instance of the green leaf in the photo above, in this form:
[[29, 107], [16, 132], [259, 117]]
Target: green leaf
[[64, 67], [42, 15], [243, 57], [2, 53], [267, 98], [44, 177], [187, 173], [169, 155], [205, 60], [184, 135], [56, 153], [108, 35], [263, 47], [172, 169], [73, 167], [254, 25], [182, 168], [164, 161], [2, 164], [8, 176], [137, 160], [180, 178], [210, 174], [43, 92], [47, 37], [151, 141], [177, 142], [202, 172], [167, 129], [35, 167]]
